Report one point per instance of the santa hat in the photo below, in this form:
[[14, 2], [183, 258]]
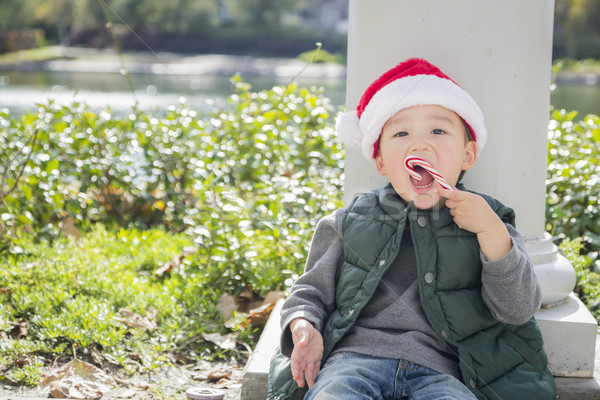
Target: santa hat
[[414, 82]]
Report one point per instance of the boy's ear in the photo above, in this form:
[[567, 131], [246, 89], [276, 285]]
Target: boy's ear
[[470, 155], [379, 164]]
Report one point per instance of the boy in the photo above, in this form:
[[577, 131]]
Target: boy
[[415, 291]]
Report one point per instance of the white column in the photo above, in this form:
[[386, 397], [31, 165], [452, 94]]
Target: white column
[[500, 52]]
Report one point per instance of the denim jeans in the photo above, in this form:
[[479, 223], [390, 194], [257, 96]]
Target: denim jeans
[[349, 376]]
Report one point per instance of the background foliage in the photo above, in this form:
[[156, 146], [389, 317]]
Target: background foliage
[[262, 157], [577, 33], [588, 278], [180, 208], [231, 26], [273, 26], [573, 183]]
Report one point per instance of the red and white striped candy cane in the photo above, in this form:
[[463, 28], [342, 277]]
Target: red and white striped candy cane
[[411, 161]]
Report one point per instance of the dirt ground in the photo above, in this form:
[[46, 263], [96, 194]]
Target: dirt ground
[[169, 384]]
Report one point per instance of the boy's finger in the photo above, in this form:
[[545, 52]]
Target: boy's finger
[[455, 194], [310, 374], [298, 377], [449, 194]]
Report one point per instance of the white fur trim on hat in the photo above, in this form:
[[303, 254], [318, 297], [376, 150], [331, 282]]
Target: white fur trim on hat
[[417, 90], [348, 128]]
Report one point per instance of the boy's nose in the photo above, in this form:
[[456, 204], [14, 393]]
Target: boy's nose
[[420, 145]]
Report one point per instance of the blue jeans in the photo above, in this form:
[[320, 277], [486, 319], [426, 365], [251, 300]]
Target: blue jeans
[[355, 376]]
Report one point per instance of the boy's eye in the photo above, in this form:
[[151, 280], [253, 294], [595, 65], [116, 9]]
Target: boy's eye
[[401, 134], [438, 131]]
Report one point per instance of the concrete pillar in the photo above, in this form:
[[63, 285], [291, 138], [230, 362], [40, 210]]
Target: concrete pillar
[[500, 52]]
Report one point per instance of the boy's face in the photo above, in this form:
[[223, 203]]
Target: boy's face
[[433, 133]]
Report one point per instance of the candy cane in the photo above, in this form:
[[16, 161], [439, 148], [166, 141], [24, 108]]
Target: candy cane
[[411, 161]]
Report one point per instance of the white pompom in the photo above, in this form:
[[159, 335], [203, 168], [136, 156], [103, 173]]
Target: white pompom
[[348, 129]]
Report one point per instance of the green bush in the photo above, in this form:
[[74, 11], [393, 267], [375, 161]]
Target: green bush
[[266, 157], [243, 186], [573, 183], [587, 286], [584, 66]]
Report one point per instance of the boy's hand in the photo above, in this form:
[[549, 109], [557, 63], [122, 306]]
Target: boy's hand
[[307, 353], [472, 213]]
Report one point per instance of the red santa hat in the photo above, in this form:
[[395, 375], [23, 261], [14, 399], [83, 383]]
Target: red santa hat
[[414, 82]]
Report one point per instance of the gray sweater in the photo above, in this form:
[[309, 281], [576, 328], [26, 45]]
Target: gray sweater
[[393, 324]]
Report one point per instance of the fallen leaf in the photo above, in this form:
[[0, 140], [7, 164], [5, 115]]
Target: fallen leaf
[[69, 229], [200, 376], [218, 375], [168, 267], [274, 296], [97, 356], [226, 342], [132, 383], [78, 380], [5, 290], [247, 295], [126, 394], [175, 262], [180, 357], [228, 384], [248, 300], [227, 305], [134, 320], [260, 315], [20, 330]]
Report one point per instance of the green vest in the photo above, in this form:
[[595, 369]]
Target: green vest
[[496, 360]]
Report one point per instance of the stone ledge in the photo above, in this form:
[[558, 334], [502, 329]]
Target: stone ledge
[[570, 336], [577, 388], [254, 383]]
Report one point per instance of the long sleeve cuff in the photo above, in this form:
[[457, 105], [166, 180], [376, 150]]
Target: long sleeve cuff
[[504, 266]]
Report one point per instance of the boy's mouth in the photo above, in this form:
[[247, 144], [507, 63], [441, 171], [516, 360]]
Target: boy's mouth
[[426, 181]]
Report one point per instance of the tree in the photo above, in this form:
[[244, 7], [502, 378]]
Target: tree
[[16, 14], [577, 28]]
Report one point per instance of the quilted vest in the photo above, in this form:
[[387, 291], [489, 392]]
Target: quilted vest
[[497, 361]]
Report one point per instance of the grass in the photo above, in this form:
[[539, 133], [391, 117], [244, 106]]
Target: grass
[[73, 293]]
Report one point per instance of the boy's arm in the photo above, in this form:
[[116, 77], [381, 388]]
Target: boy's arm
[[313, 294], [509, 285], [472, 213]]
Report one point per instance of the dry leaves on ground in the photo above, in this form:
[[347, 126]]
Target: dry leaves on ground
[[78, 380], [134, 320]]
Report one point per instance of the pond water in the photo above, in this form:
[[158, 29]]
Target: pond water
[[21, 90], [583, 98]]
